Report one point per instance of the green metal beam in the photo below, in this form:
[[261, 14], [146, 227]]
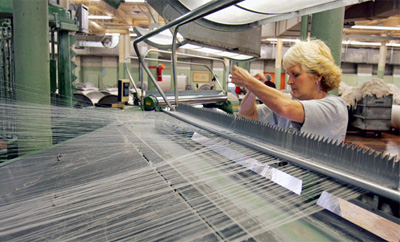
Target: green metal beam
[[61, 20], [6, 7], [65, 67], [304, 27], [328, 27], [32, 74]]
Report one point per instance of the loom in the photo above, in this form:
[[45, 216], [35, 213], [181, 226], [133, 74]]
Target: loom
[[192, 174], [151, 176]]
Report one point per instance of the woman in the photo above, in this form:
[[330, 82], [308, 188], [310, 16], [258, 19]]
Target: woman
[[269, 82], [312, 73]]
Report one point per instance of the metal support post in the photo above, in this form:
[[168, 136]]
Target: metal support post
[[32, 73], [328, 27]]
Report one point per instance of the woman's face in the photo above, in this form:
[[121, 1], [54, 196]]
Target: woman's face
[[303, 84]]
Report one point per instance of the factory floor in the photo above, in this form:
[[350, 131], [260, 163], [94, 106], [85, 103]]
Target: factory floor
[[388, 142]]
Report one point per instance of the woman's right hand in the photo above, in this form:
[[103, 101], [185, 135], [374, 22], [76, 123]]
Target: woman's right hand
[[241, 77]]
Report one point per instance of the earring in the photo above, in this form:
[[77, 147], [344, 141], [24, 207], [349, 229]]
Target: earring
[[318, 89]]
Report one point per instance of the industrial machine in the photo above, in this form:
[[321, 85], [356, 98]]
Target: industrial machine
[[151, 176], [62, 26], [193, 174]]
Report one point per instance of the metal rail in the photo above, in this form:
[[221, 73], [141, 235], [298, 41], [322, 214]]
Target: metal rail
[[199, 57], [206, 9], [169, 61], [196, 99]]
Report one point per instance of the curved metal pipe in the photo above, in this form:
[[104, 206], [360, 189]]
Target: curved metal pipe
[[141, 60], [168, 61], [196, 56], [208, 8], [174, 60], [131, 78]]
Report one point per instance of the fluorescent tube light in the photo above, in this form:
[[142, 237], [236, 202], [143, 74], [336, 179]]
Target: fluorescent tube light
[[284, 40], [216, 52], [375, 27], [99, 17], [190, 47], [210, 51], [352, 42], [112, 34]]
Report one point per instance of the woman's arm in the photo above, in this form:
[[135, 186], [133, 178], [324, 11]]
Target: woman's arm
[[248, 107], [277, 101]]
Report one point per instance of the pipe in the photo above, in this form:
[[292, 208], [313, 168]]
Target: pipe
[[196, 56], [196, 99], [160, 60], [199, 12], [174, 60]]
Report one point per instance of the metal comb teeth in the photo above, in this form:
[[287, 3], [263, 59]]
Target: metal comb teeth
[[362, 162]]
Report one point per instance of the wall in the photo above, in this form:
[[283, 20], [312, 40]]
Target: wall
[[100, 66], [358, 64]]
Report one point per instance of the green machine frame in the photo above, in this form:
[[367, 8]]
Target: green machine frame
[[61, 23], [61, 70]]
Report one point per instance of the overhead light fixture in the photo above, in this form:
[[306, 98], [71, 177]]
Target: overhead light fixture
[[353, 42], [375, 27], [99, 17], [191, 47], [216, 52], [284, 40], [210, 51], [112, 34], [162, 40], [344, 42]]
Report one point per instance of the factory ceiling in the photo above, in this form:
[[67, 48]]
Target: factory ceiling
[[140, 14], [127, 16]]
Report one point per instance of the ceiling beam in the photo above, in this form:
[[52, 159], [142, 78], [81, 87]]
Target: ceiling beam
[[372, 10]]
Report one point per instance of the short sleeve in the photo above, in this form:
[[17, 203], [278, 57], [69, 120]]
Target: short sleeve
[[265, 114], [325, 117], [268, 116]]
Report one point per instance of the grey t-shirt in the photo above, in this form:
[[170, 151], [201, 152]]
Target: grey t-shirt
[[326, 117]]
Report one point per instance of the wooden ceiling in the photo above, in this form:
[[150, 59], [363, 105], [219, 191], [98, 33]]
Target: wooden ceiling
[[128, 14], [392, 21]]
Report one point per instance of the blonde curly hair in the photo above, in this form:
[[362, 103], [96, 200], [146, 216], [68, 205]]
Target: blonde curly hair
[[315, 58]]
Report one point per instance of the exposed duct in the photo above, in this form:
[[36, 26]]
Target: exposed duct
[[237, 39]]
